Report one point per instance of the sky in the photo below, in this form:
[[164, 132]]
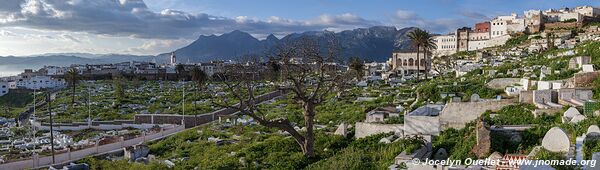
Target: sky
[[150, 27]]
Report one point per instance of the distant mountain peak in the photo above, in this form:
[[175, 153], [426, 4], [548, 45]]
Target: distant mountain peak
[[237, 33], [272, 37]]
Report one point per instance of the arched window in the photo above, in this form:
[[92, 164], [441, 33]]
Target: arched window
[[411, 62], [422, 62], [404, 63]]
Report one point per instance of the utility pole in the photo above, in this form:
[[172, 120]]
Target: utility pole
[[49, 101], [183, 115], [31, 122], [89, 106]]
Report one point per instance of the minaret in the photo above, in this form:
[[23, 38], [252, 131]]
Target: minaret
[[173, 59]]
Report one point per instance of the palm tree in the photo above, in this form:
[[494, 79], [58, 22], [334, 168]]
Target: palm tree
[[428, 45], [200, 77], [180, 69], [417, 42], [72, 78], [357, 65]]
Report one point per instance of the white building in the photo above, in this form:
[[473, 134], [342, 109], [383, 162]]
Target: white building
[[173, 59], [508, 24], [587, 11], [4, 87], [561, 15], [55, 71], [446, 44], [12, 85], [40, 82]]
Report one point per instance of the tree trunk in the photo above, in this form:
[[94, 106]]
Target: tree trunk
[[418, 65], [426, 59], [197, 96], [73, 94], [309, 118]]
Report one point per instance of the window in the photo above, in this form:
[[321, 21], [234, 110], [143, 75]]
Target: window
[[411, 62]]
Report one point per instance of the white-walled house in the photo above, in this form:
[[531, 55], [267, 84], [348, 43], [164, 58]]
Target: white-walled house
[[40, 82], [55, 71], [446, 44], [504, 25], [4, 87]]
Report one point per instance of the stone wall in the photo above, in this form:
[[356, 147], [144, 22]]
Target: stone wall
[[195, 120], [569, 96], [545, 96], [363, 129], [561, 25], [526, 97], [457, 114], [582, 80], [421, 125], [190, 120], [501, 83]]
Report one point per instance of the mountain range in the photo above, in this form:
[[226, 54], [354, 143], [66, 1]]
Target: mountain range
[[371, 44], [11, 65]]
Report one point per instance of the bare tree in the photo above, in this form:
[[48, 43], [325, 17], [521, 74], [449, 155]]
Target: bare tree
[[307, 73]]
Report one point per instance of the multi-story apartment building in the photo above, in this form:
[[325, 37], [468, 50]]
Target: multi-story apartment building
[[445, 44], [40, 82], [504, 25]]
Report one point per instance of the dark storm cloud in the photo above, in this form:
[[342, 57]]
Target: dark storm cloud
[[133, 18]]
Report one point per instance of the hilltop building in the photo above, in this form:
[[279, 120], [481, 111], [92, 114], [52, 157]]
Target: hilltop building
[[406, 62], [498, 30]]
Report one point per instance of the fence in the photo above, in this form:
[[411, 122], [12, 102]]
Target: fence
[[100, 125], [195, 120], [70, 156]]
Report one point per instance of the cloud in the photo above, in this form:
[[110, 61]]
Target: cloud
[[71, 38], [404, 18], [158, 46], [4, 33], [133, 18], [346, 19], [475, 15], [405, 15]]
